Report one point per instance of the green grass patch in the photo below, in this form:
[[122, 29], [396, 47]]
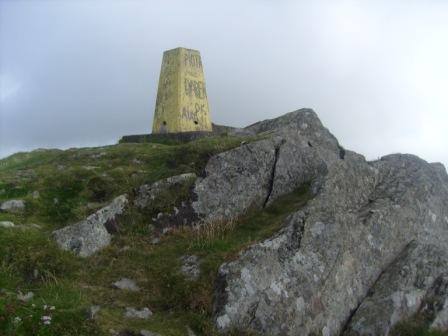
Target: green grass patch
[[417, 326], [59, 309]]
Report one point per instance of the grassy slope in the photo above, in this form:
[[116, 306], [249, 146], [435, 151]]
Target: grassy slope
[[72, 184]]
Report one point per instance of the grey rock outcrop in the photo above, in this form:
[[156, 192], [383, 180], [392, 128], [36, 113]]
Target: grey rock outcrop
[[367, 222], [236, 180], [13, 206], [93, 233], [297, 150], [411, 284]]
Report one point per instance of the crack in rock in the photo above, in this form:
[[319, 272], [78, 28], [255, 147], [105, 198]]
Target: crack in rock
[[345, 328], [272, 178]]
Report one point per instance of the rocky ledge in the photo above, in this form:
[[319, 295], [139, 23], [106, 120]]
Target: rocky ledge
[[369, 250]]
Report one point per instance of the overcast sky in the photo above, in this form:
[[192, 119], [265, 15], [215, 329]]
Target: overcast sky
[[85, 72]]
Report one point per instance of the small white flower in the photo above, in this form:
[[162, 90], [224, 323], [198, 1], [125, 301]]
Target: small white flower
[[17, 319], [46, 318], [47, 322]]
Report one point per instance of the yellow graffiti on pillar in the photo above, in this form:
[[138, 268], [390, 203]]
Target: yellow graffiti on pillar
[[181, 104]]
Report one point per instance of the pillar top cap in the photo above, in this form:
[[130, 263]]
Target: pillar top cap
[[181, 48]]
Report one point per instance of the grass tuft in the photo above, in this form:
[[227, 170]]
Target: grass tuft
[[416, 326]]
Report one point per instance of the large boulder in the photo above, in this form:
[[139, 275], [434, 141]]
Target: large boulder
[[236, 180], [366, 221], [293, 150], [94, 233]]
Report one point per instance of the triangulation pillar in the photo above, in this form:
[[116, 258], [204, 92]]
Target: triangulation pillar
[[181, 104]]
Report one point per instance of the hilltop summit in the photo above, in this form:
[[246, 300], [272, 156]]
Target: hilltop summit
[[273, 229]]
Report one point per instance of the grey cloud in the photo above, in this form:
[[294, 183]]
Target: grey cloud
[[86, 72]]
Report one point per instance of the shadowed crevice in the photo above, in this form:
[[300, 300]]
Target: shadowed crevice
[[272, 177]]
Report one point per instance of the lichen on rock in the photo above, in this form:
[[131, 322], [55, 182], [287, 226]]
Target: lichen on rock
[[91, 235]]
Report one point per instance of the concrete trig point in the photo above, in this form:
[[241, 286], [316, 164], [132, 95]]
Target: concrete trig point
[[181, 104]]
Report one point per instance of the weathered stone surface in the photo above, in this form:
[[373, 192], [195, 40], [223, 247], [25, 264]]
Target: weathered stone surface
[[25, 297], [6, 224], [435, 304], [190, 267], [314, 276], [93, 311], [90, 235], [13, 206], [148, 193], [236, 180], [409, 285], [126, 284], [143, 314], [307, 149]]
